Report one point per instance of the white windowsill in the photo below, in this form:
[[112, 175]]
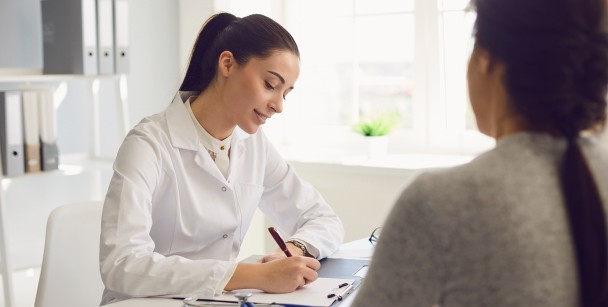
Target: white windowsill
[[390, 161]]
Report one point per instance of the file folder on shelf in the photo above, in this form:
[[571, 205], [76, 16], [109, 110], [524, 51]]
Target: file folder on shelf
[[49, 153], [69, 31], [105, 42], [11, 133], [121, 36], [31, 131]]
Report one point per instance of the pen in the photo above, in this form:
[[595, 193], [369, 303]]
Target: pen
[[345, 292], [280, 242]]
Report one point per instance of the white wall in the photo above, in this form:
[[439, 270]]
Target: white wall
[[361, 196]]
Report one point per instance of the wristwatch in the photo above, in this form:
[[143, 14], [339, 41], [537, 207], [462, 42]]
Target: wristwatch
[[301, 246]]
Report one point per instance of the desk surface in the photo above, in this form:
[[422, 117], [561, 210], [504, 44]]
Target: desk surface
[[359, 249]]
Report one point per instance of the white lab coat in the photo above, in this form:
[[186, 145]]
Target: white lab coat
[[173, 225]]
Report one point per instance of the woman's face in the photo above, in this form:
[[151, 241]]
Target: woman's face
[[255, 91]]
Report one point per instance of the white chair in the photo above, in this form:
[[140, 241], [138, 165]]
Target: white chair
[[70, 266]]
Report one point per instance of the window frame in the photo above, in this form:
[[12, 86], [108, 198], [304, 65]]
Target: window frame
[[428, 132]]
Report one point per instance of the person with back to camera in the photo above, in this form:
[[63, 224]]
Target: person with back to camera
[[187, 181], [523, 224]]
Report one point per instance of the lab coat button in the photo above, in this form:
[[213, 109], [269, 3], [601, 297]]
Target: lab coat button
[[223, 189], [225, 236]]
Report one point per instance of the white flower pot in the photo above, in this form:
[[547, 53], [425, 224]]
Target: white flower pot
[[377, 146]]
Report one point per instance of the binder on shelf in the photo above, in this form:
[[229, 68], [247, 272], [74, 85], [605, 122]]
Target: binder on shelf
[[49, 153], [69, 30], [121, 36], [105, 42], [31, 131], [11, 133]]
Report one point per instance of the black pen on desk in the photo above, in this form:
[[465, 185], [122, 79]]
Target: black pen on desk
[[345, 292], [277, 238]]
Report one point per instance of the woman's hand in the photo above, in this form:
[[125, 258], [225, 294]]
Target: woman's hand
[[288, 273], [278, 276], [279, 254]]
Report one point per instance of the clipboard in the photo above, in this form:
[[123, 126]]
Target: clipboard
[[316, 294], [343, 268], [333, 271]]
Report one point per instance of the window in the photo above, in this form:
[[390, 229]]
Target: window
[[361, 58]]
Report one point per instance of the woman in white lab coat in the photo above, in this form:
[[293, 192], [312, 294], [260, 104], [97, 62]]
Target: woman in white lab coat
[[188, 180]]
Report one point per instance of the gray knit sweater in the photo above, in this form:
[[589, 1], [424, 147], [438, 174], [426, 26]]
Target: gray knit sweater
[[493, 232]]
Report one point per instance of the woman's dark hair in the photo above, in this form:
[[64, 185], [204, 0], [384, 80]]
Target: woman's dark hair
[[252, 36], [555, 54]]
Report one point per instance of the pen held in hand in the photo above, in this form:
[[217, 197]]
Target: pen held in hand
[[277, 238]]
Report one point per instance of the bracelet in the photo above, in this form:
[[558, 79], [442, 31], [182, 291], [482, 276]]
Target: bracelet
[[301, 246]]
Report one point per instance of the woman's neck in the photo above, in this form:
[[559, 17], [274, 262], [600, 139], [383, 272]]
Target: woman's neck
[[210, 112]]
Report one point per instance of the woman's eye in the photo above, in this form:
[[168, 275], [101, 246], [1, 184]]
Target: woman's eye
[[269, 86]]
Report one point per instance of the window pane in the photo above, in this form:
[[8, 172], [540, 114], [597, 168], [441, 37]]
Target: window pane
[[384, 51], [456, 45], [458, 5], [324, 91], [311, 9], [383, 6]]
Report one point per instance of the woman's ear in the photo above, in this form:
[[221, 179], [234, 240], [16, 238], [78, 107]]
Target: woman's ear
[[226, 63], [485, 63]]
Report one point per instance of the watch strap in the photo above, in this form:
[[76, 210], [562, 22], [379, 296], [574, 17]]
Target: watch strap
[[301, 246]]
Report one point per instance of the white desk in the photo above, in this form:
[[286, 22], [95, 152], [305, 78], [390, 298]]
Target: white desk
[[359, 249]]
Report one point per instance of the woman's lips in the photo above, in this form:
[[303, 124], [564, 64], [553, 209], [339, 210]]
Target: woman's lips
[[261, 117]]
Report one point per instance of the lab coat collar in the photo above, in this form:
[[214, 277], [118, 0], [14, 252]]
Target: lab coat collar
[[182, 133]]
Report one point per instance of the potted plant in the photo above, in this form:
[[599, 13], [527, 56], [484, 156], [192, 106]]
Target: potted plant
[[375, 130]]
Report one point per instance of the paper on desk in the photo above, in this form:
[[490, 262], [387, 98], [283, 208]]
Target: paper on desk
[[353, 254], [314, 294], [359, 249]]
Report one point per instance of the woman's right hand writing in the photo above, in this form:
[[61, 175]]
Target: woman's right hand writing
[[279, 276]]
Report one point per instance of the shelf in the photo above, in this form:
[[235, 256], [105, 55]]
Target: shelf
[[9, 75], [68, 165]]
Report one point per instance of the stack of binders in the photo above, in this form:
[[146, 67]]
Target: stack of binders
[[85, 37], [28, 132]]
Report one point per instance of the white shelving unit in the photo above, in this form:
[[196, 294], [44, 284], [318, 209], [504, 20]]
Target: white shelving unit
[[78, 178]]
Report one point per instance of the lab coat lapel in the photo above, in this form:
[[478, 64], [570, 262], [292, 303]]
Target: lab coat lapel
[[183, 135], [203, 159], [237, 150]]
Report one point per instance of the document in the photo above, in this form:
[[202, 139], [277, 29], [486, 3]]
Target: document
[[31, 131], [105, 42], [323, 292], [333, 273], [49, 153], [11, 133], [342, 268], [69, 31], [121, 36]]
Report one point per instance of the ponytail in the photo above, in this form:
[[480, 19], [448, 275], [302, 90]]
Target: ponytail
[[556, 58], [202, 69], [588, 226], [251, 36]]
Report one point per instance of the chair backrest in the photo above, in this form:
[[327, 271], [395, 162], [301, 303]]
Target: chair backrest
[[70, 266]]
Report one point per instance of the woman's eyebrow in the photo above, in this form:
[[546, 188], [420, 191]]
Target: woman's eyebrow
[[278, 76]]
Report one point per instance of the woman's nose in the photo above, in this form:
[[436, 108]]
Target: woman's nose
[[276, 105]]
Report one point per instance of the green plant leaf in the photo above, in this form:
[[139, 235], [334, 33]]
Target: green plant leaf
[[377, 126]]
